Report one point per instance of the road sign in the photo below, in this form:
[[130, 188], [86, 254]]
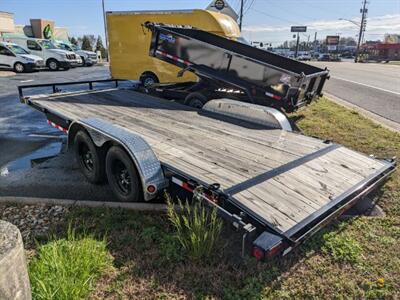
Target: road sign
[[332, 40], [298, 29]]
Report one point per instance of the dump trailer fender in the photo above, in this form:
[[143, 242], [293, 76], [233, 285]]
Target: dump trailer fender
[[146, 162], [254, 113]]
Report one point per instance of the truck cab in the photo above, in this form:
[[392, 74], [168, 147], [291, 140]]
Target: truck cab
[[17, 58], [53, 57], [89, 58]]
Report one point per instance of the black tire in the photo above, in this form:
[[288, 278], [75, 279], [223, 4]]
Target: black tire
[[83, 61], [148, 79], [67, 68], [19, 67], [53, 65], [196, 100], [90, 158], [122, 176]]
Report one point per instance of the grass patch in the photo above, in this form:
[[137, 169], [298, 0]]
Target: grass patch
[[68, 268], [197, 228]]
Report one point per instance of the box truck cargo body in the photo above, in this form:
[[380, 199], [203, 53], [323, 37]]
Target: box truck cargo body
[[129, 41]]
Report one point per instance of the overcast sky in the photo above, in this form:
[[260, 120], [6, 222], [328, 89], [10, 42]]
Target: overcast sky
[[264, 20]]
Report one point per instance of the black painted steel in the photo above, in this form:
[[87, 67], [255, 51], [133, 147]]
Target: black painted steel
[[266, 78]]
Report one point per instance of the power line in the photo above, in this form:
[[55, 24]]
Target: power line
[[275, 17]]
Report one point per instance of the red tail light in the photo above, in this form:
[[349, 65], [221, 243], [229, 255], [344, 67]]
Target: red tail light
[[258, 253], [151, 189]]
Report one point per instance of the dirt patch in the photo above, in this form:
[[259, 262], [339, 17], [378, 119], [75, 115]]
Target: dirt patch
[[6, 73]]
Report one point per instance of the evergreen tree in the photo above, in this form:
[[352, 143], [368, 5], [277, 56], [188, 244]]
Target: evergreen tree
[[86, 45], [100, 47], [73, 41]]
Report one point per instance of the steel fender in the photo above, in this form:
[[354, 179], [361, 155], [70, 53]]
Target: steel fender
[[258, 114], [145, 160]]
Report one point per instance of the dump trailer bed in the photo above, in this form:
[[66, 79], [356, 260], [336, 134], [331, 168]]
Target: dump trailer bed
[[264, 77], [283, 180]]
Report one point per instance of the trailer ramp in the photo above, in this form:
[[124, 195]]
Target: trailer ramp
[[280, 178]]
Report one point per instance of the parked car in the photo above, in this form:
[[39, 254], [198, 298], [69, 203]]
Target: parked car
[[324, 57], [306, 56], [17, 58], [89, 58], [53, 57]]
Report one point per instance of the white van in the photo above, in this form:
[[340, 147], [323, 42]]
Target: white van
[[89, 58], [17, 58], [53, 57]]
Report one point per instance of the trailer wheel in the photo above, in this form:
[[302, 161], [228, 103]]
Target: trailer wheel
[[196, 100], [148, 79], [89, 157], [122, 175]]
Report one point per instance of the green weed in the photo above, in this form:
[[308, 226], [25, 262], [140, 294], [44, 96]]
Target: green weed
[[197, 228], [342, 247], [68, 268]]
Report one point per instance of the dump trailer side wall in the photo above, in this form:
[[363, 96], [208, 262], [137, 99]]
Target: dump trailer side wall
[[249, 51], [129, 41]]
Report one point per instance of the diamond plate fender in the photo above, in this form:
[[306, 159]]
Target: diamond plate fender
[[263, 115], [142, 155]]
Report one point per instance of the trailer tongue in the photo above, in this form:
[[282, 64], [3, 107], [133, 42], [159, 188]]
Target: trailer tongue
[[230, 69]]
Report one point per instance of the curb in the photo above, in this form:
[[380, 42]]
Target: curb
[[388, 124], [139, 206]]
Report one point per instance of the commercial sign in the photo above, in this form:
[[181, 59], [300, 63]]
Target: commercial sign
[[219, 4], [223, 7], [332, 47], [298, 29], [332, 40], [47, 32]]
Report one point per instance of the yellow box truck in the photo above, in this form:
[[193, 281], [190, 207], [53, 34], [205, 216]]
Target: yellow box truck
[[129, 41]]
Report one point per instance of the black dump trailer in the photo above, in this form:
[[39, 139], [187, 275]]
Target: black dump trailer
[[231, 69]]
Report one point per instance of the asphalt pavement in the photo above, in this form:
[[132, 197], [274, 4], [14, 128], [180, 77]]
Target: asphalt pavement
[[25, 135], [371, 86]]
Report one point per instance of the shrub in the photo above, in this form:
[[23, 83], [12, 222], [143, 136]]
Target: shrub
[[67, 268], [197, 228]]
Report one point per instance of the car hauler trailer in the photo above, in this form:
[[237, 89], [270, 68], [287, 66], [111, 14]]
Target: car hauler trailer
[[129, 41], [231, 69], [278, 187]]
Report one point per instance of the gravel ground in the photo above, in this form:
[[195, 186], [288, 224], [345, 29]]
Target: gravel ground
[[34, 221]]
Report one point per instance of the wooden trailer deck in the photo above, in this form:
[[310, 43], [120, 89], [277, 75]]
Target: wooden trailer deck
[[236, 154]]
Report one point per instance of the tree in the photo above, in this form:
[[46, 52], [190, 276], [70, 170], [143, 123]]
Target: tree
[[73, 41], [86, 45], [100, 47]]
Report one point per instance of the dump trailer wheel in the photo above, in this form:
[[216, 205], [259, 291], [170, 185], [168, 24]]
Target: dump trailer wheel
[[90, 158], [196, 100], [122, 175]]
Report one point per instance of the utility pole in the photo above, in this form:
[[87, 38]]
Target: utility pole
[[297, 46], [315, 42], [363, 26], [241, 14], [105, 31]]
